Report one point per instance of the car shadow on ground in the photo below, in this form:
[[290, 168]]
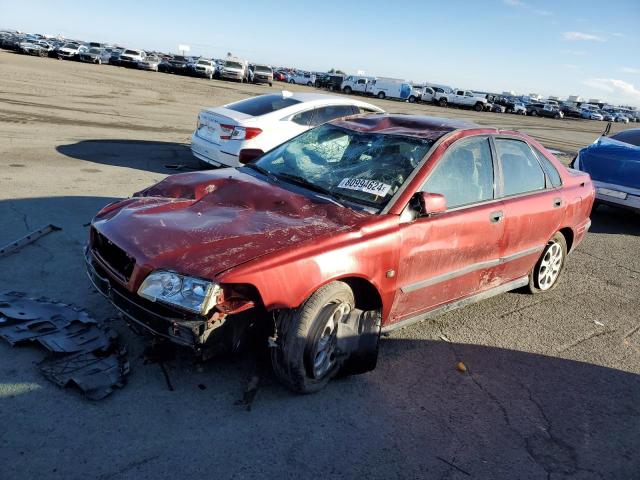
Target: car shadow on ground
[[151, 156], [512, 414], [613, 220]]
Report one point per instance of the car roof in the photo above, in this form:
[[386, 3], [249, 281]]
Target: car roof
[[420, 126]]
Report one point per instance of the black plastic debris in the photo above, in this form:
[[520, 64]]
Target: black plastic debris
[[92, 372], [82, 352]]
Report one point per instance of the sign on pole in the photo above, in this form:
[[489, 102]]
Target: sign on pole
[[184, 48]]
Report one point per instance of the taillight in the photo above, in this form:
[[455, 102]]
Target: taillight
[[226, 131], [229, 132]]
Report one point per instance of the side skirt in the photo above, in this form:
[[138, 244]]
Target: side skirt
[[463, 302]]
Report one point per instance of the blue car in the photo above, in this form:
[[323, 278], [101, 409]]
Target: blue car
[[614, 165]]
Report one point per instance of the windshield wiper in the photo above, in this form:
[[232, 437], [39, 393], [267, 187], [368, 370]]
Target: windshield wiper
[[310, 185], [263, 171]]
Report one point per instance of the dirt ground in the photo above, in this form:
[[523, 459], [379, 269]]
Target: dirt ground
[[553, 382]]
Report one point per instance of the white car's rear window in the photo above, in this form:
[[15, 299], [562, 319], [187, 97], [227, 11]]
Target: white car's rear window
[[262, 105]]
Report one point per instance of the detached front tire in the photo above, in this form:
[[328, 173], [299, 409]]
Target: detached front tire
[[305, 358], [547, 270]]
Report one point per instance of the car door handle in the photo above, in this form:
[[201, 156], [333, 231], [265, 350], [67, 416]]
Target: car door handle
[[495, 217], [557, 202]]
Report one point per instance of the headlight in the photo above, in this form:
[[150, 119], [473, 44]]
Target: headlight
[[192, 294]]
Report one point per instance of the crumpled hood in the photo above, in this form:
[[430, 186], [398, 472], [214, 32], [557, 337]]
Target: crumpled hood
[[203, 223]]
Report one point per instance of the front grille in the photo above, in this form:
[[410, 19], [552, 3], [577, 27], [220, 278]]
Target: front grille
[[116, 258]]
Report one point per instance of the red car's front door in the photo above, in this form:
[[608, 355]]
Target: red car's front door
[[456, 253]]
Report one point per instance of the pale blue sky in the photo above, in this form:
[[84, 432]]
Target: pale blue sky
[[562, 47]]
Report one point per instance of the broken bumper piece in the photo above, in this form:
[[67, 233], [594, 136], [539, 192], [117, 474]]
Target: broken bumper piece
[[181, 328], [82, 352]]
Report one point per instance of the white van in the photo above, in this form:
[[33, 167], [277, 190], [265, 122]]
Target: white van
[[235, 69], [393, 88], [356, 84]]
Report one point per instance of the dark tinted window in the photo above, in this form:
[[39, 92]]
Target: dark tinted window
[[324, 114], [520, 168], [365, 110], [464, 175], [303, 118], [262, 104], [631, 136], [550, 169]]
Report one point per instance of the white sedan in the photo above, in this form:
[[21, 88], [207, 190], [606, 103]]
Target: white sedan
[[239, 132]]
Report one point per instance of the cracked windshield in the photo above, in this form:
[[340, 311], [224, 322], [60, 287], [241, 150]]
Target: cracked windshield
[[364, 168]]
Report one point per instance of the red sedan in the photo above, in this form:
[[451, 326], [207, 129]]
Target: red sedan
[[359, 226]]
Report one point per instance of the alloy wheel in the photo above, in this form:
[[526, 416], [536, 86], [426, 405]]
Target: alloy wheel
[[550, 265], [323, 353]]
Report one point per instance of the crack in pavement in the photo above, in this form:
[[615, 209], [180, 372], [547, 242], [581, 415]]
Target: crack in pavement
[[580, 341], [129, 466], [21, 214]]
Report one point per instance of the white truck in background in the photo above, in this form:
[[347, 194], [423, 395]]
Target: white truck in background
[[356, 84], [235, 69], [461, 98], [382, 87]]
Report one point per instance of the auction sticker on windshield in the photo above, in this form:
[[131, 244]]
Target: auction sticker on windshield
[[362, 185]]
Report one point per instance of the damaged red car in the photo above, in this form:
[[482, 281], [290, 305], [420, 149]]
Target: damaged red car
[[357, 227]]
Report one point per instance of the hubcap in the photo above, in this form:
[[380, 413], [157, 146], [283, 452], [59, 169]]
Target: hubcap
[[550, 266], [324, 349]]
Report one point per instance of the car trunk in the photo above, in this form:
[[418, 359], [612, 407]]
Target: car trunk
[[211, 119]]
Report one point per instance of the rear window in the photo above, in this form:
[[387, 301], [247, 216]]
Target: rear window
[[262, 105], [628, 136], [233, 65], [131, 52]]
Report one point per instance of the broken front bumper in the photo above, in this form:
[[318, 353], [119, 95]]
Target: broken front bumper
[[156, 318]]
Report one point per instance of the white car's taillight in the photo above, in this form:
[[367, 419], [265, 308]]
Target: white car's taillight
[[231, 132]]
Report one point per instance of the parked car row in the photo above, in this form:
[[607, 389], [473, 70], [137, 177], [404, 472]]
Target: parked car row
[[231, 68], [240, 70]]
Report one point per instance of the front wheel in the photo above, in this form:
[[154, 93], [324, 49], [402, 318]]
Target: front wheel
[[347, 90], [305, 358], [292, 81], [547, 269], [381, 95], [412, 99], [479, 107], [443, 102]]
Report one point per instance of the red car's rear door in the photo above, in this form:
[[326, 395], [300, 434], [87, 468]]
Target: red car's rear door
[[456, 253], [533, 205]]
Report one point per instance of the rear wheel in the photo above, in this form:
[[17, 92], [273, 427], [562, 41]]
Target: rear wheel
[[309, 84], [412, 99], [292, 81], [381, 95], [443, 102], [478, 107], [556, 116], [305, 358], [547, 269], [347, 90], [534, 113]]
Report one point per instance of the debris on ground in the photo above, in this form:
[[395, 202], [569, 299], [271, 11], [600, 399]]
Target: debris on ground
[[81, 351], [461, 367], [600, 324], [27, 239]]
